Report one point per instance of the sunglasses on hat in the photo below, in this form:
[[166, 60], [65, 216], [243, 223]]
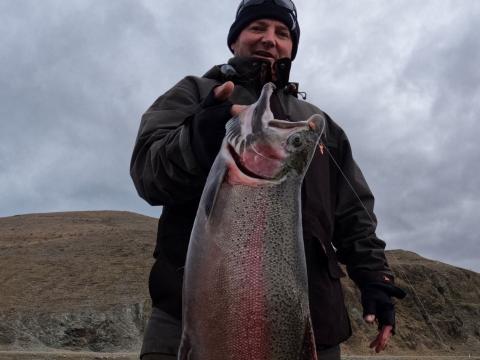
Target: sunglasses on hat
[[287, 4]]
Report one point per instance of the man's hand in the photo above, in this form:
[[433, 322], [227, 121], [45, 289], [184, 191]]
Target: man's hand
[[379, 308], [207, 128], [384, 335], [223, 92]]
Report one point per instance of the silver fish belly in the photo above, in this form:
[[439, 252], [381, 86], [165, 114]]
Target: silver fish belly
[[245, 286]]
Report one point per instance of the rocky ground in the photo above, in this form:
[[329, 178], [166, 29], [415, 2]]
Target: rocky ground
[[76, 284], [79, 355]]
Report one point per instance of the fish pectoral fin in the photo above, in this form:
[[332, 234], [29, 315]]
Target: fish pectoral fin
[[213, 185], [309, 351]]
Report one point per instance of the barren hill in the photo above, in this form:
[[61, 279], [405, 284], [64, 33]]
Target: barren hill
[[78, 281]]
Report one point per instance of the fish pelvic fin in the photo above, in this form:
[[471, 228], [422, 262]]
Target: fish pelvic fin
[[309, 351]]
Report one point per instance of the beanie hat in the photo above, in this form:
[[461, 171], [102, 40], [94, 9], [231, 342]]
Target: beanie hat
[[267, 9]]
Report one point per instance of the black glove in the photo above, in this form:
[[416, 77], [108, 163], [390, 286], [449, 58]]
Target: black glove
[[376, 300], [208, 129]]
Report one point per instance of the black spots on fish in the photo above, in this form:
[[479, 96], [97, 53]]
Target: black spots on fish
[[299, 163], [248, 221], [288, 330], [287, 300], [301, 146], [308, 351], [256, 272]]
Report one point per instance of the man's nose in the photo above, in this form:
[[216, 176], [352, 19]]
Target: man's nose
[[269, 38]]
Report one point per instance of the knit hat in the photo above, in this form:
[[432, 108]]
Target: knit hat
[[268, 9]]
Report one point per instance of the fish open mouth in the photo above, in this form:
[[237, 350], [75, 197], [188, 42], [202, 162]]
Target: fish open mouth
[[241, 167]]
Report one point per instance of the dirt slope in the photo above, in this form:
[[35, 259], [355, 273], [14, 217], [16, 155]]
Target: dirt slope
[[78, 281]]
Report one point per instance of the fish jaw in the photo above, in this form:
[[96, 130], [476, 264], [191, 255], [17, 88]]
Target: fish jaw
[[237, 176], [264, 159]]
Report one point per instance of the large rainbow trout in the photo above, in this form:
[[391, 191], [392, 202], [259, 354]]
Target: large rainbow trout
[[245, 291]]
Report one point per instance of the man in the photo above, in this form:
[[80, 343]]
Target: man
[[178, 140]]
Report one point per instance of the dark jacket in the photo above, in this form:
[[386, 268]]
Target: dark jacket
[[336, 226]]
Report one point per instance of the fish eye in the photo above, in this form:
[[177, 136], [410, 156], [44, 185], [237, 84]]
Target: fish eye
[[296, 141]]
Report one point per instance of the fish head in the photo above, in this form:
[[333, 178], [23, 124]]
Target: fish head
[[264, 148]]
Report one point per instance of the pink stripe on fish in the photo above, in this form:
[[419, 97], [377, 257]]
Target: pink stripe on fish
[[251, 306]]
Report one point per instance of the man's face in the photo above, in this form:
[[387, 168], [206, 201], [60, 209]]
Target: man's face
[[266, 39]]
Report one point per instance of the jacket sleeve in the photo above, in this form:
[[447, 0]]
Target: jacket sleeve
[[163, 166], [354, 236]]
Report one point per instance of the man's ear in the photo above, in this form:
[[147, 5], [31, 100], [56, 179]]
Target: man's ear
[[233, 47]]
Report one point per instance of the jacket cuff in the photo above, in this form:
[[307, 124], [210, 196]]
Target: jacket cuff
[[363, 277]]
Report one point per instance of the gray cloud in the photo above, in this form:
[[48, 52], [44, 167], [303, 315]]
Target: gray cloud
[[405, 86], [440, 199], [401, 78]]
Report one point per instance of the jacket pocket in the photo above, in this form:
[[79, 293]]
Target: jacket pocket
[[334, 269]]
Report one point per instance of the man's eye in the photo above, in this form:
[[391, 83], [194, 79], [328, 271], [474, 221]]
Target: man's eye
[[284, 34]]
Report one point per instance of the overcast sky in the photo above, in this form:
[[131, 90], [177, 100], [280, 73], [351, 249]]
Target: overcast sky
[[402, 77]]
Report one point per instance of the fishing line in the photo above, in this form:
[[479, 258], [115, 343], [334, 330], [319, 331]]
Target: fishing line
[[402, 273]]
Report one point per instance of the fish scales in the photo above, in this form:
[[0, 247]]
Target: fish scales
[[266, 305], [245, 285]]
